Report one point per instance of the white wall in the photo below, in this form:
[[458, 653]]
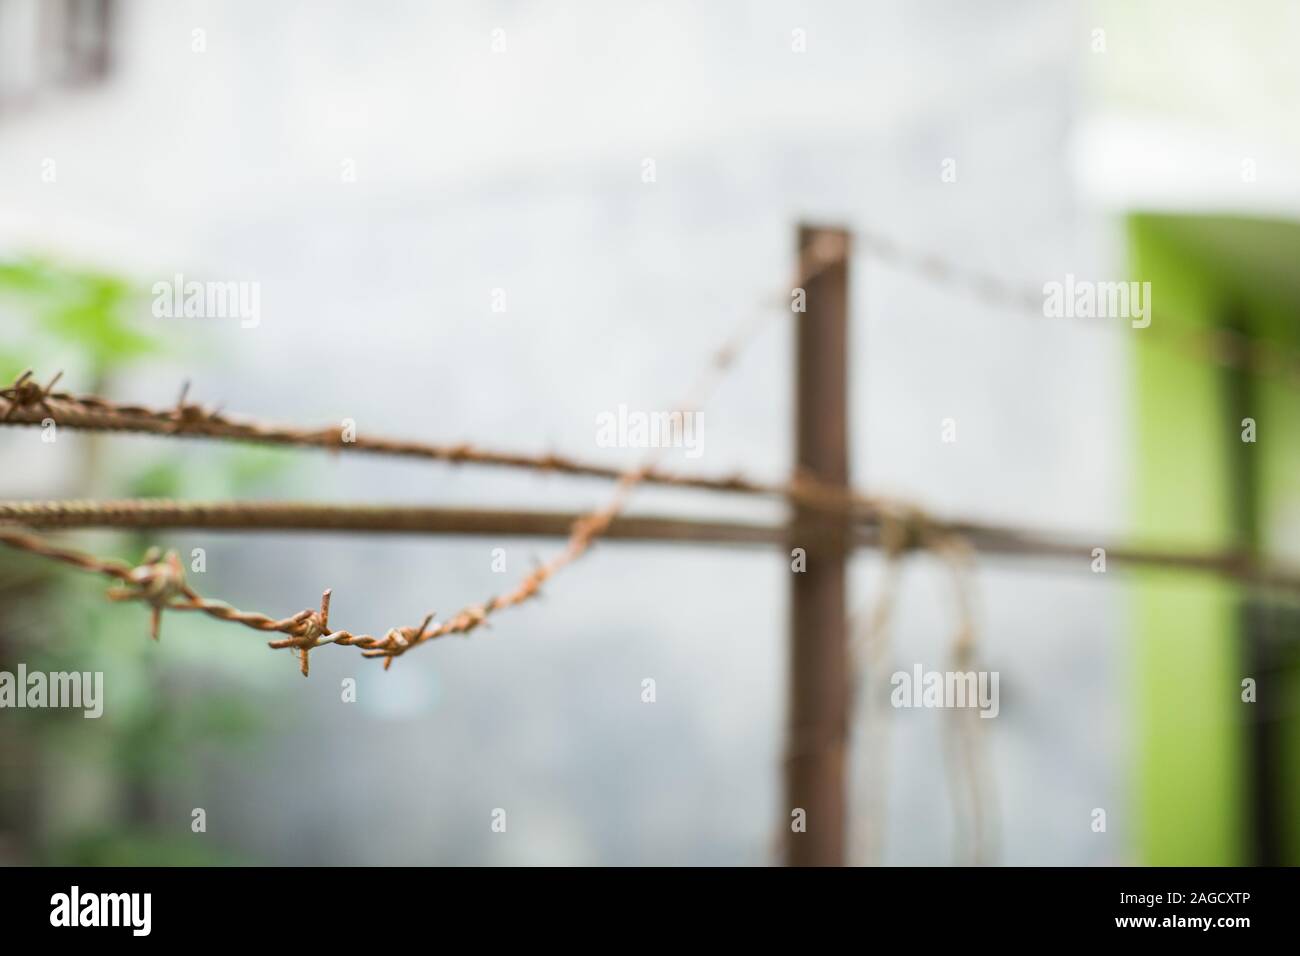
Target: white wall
[[522, 171]]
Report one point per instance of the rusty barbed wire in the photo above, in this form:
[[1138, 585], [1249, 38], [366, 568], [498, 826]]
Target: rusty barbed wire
[[189, 419], [1224, 347], [902, 528], [26, 392], [93, 412], [159, 580], [25, 399], [25, 403]]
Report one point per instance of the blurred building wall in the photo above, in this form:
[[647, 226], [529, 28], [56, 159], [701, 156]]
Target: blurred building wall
[[522, 171]]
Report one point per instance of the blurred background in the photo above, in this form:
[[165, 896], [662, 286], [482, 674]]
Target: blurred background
[[388, 174]]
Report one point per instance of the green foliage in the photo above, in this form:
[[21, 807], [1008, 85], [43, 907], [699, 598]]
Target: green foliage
[[224, 472], [164, 710], [79, 308], [138, 847]]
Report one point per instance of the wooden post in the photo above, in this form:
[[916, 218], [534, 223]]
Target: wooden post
[[819, 665]]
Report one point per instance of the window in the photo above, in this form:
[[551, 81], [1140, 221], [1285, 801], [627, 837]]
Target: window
[[51, 44]]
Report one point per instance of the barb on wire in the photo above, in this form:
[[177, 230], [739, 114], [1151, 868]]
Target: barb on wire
[[26, 392], [187, 415], [310, 627], [158, 581]]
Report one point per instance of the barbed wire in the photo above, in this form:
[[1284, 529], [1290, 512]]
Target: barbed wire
[[30, 403], [1224, 347], [26, 403], [159, 580], [160, 583]]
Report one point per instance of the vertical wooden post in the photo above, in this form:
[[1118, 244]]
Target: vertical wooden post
[[819, 666]]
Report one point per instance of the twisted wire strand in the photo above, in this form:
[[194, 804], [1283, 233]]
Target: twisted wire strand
[[159, 582], [1223, 347], [25, 403]]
